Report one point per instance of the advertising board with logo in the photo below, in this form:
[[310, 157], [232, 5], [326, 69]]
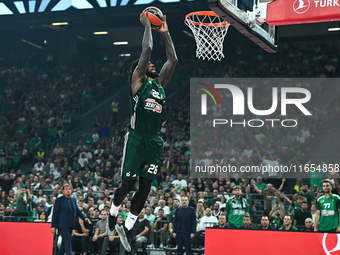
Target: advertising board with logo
[[285, 12], [230, 241]]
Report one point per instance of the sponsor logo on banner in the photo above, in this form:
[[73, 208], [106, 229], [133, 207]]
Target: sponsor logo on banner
[[331, 244], [313, 243], [301, 6], [302, 11]]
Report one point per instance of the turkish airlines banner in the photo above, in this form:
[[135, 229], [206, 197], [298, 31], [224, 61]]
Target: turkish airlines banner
[[287, 12], [234, 241]]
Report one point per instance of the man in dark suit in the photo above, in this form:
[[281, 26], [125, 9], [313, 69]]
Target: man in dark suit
[[184, 226], [64, 217]]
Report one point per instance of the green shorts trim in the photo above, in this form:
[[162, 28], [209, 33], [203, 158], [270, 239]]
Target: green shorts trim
[[141, 155], [137, 133]]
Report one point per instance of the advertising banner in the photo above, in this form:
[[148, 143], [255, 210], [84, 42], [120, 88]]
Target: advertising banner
[[234, 241], [287, 12], [25, 238]]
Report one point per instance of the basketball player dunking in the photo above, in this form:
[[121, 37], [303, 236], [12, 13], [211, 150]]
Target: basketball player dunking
[[142, 144]]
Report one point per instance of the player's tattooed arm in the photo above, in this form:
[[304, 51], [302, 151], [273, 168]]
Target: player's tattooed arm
[[169, 66], [138, 76]]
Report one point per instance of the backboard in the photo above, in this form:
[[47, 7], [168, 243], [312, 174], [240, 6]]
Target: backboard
[[258, 19], [248, 17]]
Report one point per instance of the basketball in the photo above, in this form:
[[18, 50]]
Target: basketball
[[155, 16]]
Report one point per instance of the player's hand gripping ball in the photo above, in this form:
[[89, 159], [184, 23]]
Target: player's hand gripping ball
[[155, 16]]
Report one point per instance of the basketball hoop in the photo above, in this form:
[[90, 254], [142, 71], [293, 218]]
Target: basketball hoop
[[209, 31]]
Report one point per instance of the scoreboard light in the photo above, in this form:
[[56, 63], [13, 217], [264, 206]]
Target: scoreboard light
[[35, 6]]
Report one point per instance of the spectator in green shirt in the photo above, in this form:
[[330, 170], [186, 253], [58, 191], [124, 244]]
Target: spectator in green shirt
[[23, 203], [259, 184], [207, 202], [328, 210], [306, 195], [236, 208]]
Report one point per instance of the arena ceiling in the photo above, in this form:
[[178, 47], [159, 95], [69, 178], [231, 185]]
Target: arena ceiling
[[122, 24]]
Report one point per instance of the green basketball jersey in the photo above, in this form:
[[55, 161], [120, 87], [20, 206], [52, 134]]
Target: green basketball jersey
[[235, 212], [172, 216], [148, 108], [329, 217], [277, 222]]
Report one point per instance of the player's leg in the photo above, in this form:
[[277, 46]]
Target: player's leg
[[152, 150], [148, 150], [133, 156], [131, 164], [153, 153], [137, 205], [138, 201], [120, 194]]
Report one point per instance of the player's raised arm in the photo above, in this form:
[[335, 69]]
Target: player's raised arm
[[169, 66], [138, 75]]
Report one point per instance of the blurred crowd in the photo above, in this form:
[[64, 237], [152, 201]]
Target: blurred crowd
[[39, 105]]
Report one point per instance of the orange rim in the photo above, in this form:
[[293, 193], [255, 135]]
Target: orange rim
[[205, 13]]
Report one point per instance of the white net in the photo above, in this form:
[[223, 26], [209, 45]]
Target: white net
[[209, 31]]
